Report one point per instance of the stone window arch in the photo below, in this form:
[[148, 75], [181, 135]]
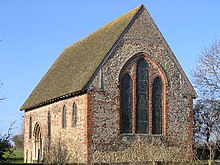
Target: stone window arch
[[148, 94], [64, 117], [74, 115], [126, 104]]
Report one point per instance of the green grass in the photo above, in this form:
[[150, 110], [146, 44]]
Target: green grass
[[19, 155]]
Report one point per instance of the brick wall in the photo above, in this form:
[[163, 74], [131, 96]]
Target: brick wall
[[106, 143], [74, 137]]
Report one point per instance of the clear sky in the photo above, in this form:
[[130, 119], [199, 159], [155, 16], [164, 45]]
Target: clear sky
[[34, 32]]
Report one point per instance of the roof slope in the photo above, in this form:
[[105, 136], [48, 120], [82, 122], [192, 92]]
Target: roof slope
[[77, 63]]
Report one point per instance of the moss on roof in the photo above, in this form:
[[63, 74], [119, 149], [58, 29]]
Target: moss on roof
[[77, 63]]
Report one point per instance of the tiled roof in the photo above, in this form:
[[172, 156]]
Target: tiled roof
[[73, 69]]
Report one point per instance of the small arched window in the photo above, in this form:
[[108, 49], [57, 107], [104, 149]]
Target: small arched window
[[126, 104], [64, 117], [142, 97], [30, 127], [49, 128], [157, 106], [49, 124], [74, 115]]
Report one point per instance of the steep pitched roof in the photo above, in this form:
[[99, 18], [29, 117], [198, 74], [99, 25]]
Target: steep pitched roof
[[78, 64], [74, 68]]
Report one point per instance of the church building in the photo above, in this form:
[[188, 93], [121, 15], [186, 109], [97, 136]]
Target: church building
[[119, 95]]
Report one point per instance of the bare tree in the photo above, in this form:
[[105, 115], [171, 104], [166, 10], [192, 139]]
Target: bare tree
[[206, 120], [207, 126], [206, 79], [206, 74], [56, 152], [18, 140]]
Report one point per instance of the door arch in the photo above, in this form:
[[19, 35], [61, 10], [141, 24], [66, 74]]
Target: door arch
[[38, 143]]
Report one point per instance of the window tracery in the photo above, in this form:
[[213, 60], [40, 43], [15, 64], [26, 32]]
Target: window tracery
[[147, 114]]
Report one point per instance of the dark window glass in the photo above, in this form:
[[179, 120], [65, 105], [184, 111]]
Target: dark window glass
[[126, 104], [49, 129], [74, 115], [64, 117], [142, 96], [157, 106], [49, 125], [30, 128]]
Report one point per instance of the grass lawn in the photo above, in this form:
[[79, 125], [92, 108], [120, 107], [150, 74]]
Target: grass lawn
[[19, 155]]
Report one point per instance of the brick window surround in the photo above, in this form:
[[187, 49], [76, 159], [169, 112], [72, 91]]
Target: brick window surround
[[130, 69]]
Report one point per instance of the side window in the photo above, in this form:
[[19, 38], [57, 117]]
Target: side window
[[126, 104], [64, 117], [30, 127], [157, 106], [49, 125], [74, 117], [142, 97]]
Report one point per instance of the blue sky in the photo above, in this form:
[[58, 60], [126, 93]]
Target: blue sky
[[34, 33]]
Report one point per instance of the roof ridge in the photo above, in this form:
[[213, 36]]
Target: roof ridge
[[137, 13], [73, 69], [105, 25]]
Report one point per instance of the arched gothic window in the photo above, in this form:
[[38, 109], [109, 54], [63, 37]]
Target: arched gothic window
[[146, 116], [30, 127], [142, 97], [126, 104], [64, 117], [74, 117], [157, 106]]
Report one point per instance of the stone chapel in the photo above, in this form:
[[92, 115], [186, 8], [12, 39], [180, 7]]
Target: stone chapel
[[119, 95]]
